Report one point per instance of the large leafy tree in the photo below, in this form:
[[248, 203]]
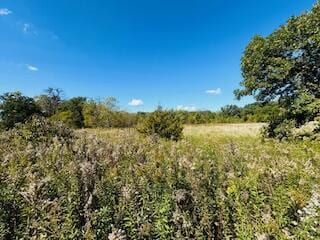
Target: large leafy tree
[[16, 108], [285, 66]]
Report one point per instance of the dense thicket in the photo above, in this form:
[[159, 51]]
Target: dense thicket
[[285, 67]]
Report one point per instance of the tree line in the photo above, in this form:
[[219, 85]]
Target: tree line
[[81, 112]]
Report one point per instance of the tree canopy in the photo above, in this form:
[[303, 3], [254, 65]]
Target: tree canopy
[[286, 63], [16, 108], [49, 101], [285, 66]]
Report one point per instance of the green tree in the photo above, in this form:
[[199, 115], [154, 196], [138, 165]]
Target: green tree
[[71, 112], [50, 101], [285, 67], [16, 108], [95, 114], [259, 112], [164, 124], [231, 111]]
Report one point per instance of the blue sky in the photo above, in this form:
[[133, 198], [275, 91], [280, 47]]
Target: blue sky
[[177, 53]]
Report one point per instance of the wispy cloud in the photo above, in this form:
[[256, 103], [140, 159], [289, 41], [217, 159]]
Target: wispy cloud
[[136, 102], [29, 29], [54, 36], [32, 68], [190, 108], [4, 11], [215, 91]]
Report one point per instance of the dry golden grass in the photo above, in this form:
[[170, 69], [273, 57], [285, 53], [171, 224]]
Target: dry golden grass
[[239, 129], [225, 130]]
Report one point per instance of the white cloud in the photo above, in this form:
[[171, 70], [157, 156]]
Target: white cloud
[[216, 91], [29, 29], [26, 28], [54, 36], [190, 108], [32, 68], [136, 102], [4, 11]]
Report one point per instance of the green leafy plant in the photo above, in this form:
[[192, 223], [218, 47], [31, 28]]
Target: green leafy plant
[[164, 124]]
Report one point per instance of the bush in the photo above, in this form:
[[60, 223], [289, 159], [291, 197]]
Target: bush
[[164, 124], [41, 130]]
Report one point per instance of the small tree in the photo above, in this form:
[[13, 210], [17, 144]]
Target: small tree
[[164, 124], [16, 108]]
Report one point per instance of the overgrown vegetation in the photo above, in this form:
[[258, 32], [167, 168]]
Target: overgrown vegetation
[[213, 182], [59, 184]]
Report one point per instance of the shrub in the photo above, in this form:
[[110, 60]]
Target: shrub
[[164, 124], [42, 130]]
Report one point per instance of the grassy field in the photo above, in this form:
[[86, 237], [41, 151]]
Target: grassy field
[[219, 182], [233, 130], [262, 189]]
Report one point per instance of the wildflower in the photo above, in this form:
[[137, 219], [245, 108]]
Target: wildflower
[[117, 234], [262, 236], [127, 192]]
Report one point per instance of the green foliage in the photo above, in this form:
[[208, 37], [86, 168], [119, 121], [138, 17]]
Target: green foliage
[[258, 112], [231, 111], [164, 124], [197, 117], [285, 67], [50, 101], [59, 184], [16, 108], [41, 130], [105, 114], [71, 112], [82, 113], [95, 114]]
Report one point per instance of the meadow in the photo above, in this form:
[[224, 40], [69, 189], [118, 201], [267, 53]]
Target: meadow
[[218, 182], [95, 168]]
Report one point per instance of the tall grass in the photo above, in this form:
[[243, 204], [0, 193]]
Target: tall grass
[[117, 184]]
